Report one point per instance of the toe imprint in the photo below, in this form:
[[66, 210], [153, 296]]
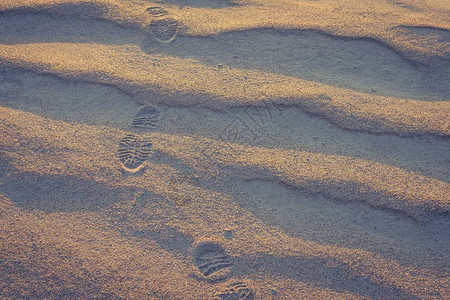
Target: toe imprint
[[157, 12]]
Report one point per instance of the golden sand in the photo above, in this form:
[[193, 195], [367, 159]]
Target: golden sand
[[346, 199]]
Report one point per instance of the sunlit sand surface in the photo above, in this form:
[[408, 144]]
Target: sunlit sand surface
[[224, 149]]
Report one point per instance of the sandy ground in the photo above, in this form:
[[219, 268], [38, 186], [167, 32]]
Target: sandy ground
[[224, 149]]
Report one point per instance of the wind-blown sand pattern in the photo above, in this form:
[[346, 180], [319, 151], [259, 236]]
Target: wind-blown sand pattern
[[256, 149]]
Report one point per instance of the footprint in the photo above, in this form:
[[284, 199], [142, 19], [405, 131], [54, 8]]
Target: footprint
[[133, 152], [235, 291], [164, 30], [147, 117], [404, 5], [157, 12], [162, 27], [210, 258]]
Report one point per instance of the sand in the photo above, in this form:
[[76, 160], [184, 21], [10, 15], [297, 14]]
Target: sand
[[224, 149]]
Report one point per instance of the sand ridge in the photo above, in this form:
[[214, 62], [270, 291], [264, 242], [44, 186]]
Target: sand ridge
[[97, 64], [372, 113], [406, 188], [352, 18]]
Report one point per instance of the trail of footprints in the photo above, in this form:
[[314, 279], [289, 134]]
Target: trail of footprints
[[162, 26], [214, 263], [134, 150], [210, 258]]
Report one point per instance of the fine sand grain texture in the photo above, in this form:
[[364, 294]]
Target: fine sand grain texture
[[224, 149]]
